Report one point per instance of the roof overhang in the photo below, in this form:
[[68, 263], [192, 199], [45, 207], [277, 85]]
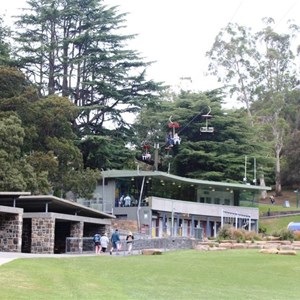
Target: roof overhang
[[196, 182], [49, 203], [11, 195]]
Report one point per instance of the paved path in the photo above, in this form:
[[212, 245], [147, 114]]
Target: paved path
[[6, 257]]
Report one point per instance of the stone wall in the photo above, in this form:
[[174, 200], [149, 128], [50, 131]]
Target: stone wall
[[232, 244], [10, 232], [76, 231], [42, 235], [168, 243]]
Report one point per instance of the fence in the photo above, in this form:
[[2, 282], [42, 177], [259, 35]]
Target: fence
[[86, 245]]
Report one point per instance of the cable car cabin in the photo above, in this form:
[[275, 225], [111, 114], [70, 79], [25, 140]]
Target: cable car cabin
[[207, 129], [294, 226]]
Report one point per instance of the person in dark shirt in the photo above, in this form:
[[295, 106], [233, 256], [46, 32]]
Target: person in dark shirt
[[96, 240], [115, 241]]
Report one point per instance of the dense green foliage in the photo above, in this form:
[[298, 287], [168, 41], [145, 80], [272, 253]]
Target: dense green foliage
[[216, 156], [78, 76], [74, 48], [80, 86], [174, 275]]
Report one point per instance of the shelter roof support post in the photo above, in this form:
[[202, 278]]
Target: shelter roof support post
[[222, 218]]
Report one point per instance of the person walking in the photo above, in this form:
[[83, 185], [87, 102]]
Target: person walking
[[96, 240], [104, 241], [129, 241], [115, 240]]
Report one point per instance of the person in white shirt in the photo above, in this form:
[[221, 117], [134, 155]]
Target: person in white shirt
[[127, 200], [104, 241], [129, 241]]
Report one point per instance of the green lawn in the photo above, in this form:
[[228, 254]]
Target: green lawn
[[276, 224], [231, 274], [263, 208]]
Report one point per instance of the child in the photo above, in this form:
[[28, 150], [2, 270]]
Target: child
[[129, 241]]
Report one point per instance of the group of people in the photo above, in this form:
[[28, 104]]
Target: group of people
[[130, 201], [173, 140], [126, 201], [101, 242]]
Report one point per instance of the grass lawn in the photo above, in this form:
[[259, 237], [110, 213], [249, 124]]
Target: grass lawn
[[276, 224], [190, 274], [263, 208]]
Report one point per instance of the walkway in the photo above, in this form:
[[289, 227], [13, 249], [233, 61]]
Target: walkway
[[6, 257]]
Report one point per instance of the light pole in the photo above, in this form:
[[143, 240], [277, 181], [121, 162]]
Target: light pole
[[297, 197]]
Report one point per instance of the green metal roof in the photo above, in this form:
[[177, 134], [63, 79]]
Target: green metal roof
[[170, 177]]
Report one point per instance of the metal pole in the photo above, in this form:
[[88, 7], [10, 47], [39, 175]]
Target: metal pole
[[139, 205], [297, 194], [254, 180], [245, 168], [103, 202], [156, 147], [172, 220]]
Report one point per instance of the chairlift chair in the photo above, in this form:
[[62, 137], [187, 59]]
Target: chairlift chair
[[207, 128], [146, 155]]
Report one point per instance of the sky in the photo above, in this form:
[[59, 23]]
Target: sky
[[176, 34]]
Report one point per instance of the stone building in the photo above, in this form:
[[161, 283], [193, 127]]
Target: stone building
[[42, 224]]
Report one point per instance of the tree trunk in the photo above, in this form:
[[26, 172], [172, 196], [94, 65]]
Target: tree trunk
[[277, 174]]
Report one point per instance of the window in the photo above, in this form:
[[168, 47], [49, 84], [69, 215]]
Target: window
[[217, 200], [227, 201], [208, 200]]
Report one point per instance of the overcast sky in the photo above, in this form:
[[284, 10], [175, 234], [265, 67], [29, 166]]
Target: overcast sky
[[177, 34]]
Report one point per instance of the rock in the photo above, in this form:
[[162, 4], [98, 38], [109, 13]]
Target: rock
[[239, 246], [269, 251], [202, 247], [151, 252], [287, 252], [226, 245], [217, 249]]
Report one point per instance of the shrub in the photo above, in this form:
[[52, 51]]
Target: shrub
[[225, 232], [228, 232], [262, 230], [252, 236], [284, 235], [297, 235]]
